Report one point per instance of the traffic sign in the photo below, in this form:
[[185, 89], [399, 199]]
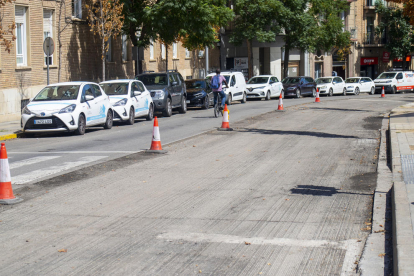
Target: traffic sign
[[48, 46]]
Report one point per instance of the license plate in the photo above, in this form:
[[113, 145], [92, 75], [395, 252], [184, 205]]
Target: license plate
[[43, 121], [187, 101]]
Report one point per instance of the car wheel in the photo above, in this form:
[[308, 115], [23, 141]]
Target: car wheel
[[81, 125], [356, 91], [297, 93], [150, 114], [372, 91], [168, 109], [267, 96], [206, 104], [183, 107], [313, 92], [330, 92], [229, 99], [344, 93], [131, 119], [109, 120], [394, 90], [244, 100]]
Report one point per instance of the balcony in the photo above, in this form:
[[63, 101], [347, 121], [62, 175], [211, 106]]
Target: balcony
[[373, 39]]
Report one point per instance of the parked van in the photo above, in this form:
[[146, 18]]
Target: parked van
[[394, 82], [237, 90]]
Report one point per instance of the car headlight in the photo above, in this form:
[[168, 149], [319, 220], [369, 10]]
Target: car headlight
[[323, 87], [121, 102], [159, 94], [68, 109], [27, 111]]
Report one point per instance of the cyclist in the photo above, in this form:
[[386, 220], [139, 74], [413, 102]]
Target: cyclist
[[217, 80]]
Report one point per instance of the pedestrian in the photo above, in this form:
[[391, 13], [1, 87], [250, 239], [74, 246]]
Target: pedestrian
[[217, 87]]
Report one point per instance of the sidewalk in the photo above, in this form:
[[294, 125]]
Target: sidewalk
[[10, 130], [402, 156]]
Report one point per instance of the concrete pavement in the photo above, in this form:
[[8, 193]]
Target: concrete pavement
[[284, 194]]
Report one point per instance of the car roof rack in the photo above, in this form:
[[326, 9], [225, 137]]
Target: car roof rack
[[149, 72]]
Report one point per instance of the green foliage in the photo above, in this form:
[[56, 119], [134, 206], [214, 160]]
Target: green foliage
[[398, 29]]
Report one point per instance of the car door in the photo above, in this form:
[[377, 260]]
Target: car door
[[338, 86], [92, 108], [145, 98], [102, 102], [176, 89], [400, 81], [365, 85], [136, 100]]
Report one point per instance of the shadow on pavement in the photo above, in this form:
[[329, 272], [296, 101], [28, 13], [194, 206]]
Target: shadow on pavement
[[340, 109], [291, 132], [411, 114], [320, 191]]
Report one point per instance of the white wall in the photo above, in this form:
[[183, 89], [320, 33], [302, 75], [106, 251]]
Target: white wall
[[276, 62], [256, 62]]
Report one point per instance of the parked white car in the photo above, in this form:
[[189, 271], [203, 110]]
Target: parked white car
[[394, 82], [237, 90], [331, 85], [69, 106], [264, 86], [357, 84], [130, 99]]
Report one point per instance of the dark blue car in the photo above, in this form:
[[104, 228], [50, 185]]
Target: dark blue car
[[199, 93]]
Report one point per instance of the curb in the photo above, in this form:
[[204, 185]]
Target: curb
[[10, 136], [402, 234]]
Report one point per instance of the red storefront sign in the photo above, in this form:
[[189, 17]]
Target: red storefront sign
[[369, 60], [407, 58], [385, 57]]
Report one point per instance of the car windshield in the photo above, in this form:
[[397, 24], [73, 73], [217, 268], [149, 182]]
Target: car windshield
[[290, 80], [153, 79], [328, 80], [352, 80], [115, 88], [58, 93], [387, 76], [258, 80], [195, 84]]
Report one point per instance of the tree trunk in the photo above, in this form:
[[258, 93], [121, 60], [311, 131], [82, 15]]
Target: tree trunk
[[59, 39], [250, 57], [166, 58], [286, 63], [103, 43]]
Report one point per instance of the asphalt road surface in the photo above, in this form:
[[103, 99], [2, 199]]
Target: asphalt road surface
[[286, 193]]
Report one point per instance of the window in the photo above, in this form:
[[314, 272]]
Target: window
[[21, 36], [233, 81], [187, 53], [172, 78], [77, 9], [124, 48], [151, 49], [134, 87], [399, 76], [86, 91], [108, 55], [141, 87], [175, 54], [98, 91], [163, 51], [48, 30]]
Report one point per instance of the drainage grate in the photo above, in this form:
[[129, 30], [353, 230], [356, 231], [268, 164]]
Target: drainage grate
[[407, 162]]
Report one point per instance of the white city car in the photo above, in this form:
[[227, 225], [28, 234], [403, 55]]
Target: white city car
[[357, 85], [68, 106], [264, 86], [331, 85], [130, 99]]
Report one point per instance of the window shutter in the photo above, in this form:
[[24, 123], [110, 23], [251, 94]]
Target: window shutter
[[47, 20], [19, 14]]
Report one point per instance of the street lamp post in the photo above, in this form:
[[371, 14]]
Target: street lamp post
[[138, 35], [218, 47]]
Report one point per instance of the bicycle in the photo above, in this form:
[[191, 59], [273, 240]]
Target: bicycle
[[217, 106]]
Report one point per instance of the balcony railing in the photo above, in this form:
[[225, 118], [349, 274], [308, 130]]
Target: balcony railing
[[373, 39]]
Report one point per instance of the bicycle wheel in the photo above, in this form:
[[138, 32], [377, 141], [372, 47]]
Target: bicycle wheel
[[216, 111]]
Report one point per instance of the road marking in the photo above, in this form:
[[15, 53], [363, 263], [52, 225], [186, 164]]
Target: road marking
[[31, 176], [352, 247], [76, 152], [31, 161]]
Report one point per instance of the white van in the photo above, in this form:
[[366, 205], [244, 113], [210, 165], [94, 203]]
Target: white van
[[237, 90], [395, 82]]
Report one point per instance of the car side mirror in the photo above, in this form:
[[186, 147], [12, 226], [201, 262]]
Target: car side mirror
[[89, 98], [137, 93], [174, 83]]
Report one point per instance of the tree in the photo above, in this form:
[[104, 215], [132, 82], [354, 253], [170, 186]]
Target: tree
[[400, 35], [193, 22], [5, 31], [408, 8], [255, 20], [105, 19]]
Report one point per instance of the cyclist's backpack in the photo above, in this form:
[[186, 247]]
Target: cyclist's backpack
[[215, 82]]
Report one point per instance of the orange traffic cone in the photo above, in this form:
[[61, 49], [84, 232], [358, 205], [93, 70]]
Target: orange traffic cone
[[280, 106], [6, 191], [317, 100], [156, 139], [225, 126], [382, 93]]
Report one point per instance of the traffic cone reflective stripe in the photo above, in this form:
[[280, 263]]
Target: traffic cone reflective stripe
[[280, 106], [225, 123], [6, 191], [156, 138], [382, 93], [317, 100]]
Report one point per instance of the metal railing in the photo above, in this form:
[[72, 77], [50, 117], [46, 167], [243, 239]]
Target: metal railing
[[371, 38]]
